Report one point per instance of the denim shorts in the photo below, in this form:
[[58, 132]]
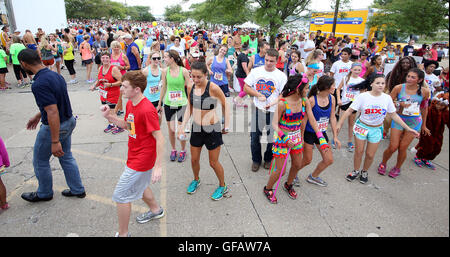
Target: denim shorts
[[364, 132], [131, 185]]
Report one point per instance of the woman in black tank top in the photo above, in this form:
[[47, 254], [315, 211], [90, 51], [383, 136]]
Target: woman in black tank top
[[206, 127]]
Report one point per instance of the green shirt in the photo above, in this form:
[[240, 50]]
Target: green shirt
[[2, 58], [253, 45], [14, 51], [245, 39], [175, 94]]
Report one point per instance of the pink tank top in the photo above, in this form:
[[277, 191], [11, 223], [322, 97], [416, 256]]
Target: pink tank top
[[119, 62], [363, 69]]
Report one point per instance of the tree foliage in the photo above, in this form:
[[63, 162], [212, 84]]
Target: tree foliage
[[175, 13], [424, 17], [274, 13], [226, 12], [97, 9]]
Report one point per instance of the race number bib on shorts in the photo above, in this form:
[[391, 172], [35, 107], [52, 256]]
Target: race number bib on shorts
[[412, 110], [175, 96], [323, 124], [218, 76], [358, 130], [295, 137], [103, 93]]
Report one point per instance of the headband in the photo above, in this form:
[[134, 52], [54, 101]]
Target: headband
[[356, 64], [304, 80], [314, 66]]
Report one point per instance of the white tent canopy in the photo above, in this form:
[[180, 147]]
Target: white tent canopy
[[248, 25]]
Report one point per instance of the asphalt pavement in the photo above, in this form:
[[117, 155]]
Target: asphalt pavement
[[414, 204]]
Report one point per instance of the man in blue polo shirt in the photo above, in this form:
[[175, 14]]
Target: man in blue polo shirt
[[55, 133]]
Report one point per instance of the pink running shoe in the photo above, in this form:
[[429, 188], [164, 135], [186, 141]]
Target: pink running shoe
[[394, 172], [5, 206], [382, 169]]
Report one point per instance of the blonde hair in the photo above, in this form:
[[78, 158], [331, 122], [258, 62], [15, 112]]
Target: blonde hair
[[43, 43], [116, 44], [313, 56]]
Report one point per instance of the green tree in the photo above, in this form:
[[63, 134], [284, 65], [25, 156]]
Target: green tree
[[175, 13], [226, 12], [425, 17], [274, 13], [140, 13], [91, 9]]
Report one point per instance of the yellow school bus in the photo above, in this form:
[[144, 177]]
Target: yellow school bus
[[352, 23]]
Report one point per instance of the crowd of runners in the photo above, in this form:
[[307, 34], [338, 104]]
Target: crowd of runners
[[300, 92]]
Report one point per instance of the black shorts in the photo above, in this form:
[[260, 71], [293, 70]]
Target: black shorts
[[111, 105], [311, 138], [225, 90], [97, 59], [171, 111], [86, 62], [3, 70], [346, 106], [210, 136]]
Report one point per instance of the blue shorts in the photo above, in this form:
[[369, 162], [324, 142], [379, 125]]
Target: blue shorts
[[414, 122], [364, 132]]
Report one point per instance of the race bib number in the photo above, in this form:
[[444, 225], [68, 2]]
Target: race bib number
[[295, 137], [323, 124], [412, 110], [175, 96], [131, 126], [358, 130], [103, 93], [218, 76], [154, 90]]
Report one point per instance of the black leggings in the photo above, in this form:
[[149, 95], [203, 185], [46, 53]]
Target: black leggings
[[69, 65], [17, 70]]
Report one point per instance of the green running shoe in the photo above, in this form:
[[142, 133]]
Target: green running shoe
[[192, 188], [218, 194]]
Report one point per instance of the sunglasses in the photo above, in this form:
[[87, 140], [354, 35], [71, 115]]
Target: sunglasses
[[156, 58]]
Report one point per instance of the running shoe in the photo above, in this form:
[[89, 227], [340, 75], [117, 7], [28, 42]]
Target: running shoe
[[173, 155], [117, 130], [318, 181], [364, 177], [146, 217], [382, 169], [110, 128], [182, 156], [270, 196], [418, 162], [352, 175], [428, 164], [290, 190], [117, 234], [192, 188], [385, 135], [218, 194], [296, 182], [2, 169], [333, 145], [350, 147], [394, 172]]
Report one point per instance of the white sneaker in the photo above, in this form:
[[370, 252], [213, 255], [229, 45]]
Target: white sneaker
[[117, 234]]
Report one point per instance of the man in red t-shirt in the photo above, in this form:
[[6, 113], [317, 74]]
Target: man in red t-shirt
[[145, 151]]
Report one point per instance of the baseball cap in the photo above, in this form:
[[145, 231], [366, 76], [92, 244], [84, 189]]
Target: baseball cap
[[127, 36]]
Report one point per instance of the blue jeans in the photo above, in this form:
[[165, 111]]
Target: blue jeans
[[259, 121], [41, 159]]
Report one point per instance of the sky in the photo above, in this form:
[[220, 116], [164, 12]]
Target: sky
[[158, 9]]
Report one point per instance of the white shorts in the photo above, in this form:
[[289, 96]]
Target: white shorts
[[131, 185]]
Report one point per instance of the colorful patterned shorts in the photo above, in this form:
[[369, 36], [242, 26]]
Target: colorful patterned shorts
[[280, 148]]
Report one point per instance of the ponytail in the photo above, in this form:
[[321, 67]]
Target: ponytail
[[174, 54], [324, 83], [421, 76]]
